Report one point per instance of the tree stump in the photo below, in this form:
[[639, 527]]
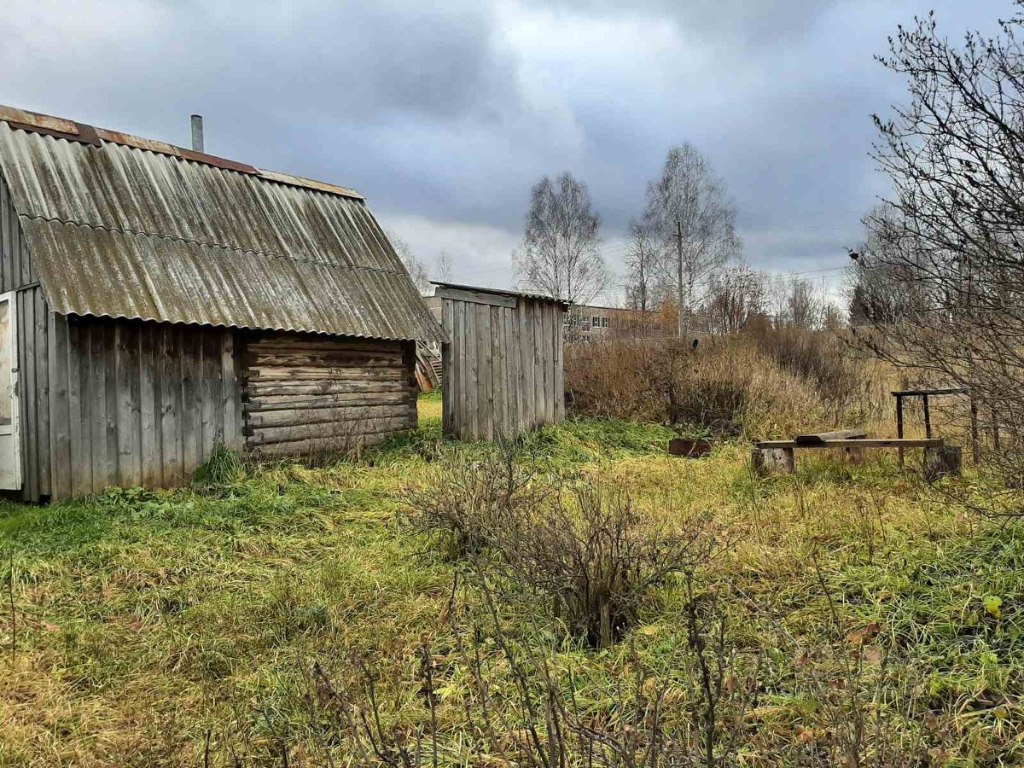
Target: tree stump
[[778, 461], [942, 461]]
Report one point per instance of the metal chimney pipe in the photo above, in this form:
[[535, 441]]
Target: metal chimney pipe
[[197, 133]]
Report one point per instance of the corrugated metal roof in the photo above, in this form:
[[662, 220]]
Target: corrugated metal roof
[[121, 231]]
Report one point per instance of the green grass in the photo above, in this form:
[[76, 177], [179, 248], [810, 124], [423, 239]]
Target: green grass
[[148, 619]]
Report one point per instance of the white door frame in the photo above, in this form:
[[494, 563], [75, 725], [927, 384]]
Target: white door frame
[[10, 433]]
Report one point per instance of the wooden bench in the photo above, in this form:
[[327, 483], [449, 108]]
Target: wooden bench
[[779, 456]]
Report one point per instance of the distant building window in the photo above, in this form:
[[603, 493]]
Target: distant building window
[[596, 321]]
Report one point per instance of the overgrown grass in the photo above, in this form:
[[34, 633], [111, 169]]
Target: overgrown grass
[[151, 623]]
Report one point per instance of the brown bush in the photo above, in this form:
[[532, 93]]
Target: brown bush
[[759, 383]]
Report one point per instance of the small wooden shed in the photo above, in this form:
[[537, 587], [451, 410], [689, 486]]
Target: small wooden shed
[[502, 363], [156, 302]]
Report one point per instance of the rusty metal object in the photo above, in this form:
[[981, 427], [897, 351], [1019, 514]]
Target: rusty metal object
[[690, 448]]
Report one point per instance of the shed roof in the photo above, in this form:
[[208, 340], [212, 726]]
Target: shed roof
[[125, 227], [542, 297]]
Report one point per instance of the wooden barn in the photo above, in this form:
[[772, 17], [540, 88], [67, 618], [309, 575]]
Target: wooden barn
[[158, 302]]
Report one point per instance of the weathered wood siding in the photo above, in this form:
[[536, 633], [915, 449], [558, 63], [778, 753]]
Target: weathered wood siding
[[17, 273], [307, 394], [137, 403], [502, 368]]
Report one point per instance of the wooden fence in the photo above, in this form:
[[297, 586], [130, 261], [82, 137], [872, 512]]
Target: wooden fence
[[502, 365]]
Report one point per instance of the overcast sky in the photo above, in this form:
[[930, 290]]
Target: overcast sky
[[444, 114]]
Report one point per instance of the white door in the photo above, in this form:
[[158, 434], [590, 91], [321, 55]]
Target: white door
[[10, 432]]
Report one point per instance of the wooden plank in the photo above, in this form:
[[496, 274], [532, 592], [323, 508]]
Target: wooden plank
[[111, 458], [538, 365], [866, 443], [129, 422], [475, 297], [449, 380], [5, 244], [559, 347], [231, 400], [97, 405], [150, 445], [839, 434], [524, 338], [191, 414], [496, 351], [25, 353], [257, 390], [61, 460], [463, 357], [485, 365], [471, 429], [211, 393], [79, 406], [170, 406], [42, 331]]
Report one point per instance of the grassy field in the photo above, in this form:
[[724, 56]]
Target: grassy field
[[181, 628]]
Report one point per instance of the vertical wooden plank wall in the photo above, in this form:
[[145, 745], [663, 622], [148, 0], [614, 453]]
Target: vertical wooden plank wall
[[18, 273], [135, 403], [502, 366]]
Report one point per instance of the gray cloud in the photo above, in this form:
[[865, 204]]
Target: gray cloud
[[445, 114]]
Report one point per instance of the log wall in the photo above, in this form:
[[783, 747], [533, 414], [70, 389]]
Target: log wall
[[502, 367], [307, 394]]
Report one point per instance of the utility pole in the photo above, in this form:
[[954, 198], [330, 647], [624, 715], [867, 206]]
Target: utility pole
[[681, 325]]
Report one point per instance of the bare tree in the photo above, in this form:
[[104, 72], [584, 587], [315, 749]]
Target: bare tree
[[417, 269], [736, 295], [644, 283], [800, 306], [444, 270], [955, 156], [559, 255], [694, 221]]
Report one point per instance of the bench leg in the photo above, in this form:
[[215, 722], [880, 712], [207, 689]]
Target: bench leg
[[768, 461], [942, 461]]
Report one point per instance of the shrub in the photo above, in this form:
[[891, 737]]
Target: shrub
[[467, 498], [595, 557]]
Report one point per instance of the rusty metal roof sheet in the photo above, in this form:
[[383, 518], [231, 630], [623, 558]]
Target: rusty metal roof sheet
[[129, 230]]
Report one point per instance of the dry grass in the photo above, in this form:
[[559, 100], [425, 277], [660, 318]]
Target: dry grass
[[148, 621], [763, 384]]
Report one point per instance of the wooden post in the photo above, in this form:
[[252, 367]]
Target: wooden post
[[942, 461], [927, 418], [975, 450], [767, 461], [899, 423], [995, 431]]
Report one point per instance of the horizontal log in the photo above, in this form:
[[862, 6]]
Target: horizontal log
[[313, 447], [868, 443], [323, 361], [292, 344], [267, 373], [329, 430], [293, 402], [323, 415], [258, 389]]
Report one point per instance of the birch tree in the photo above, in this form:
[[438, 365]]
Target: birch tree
[[695, 223], [559, 255]]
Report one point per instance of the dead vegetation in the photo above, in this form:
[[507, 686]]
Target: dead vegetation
[[759, 383]]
